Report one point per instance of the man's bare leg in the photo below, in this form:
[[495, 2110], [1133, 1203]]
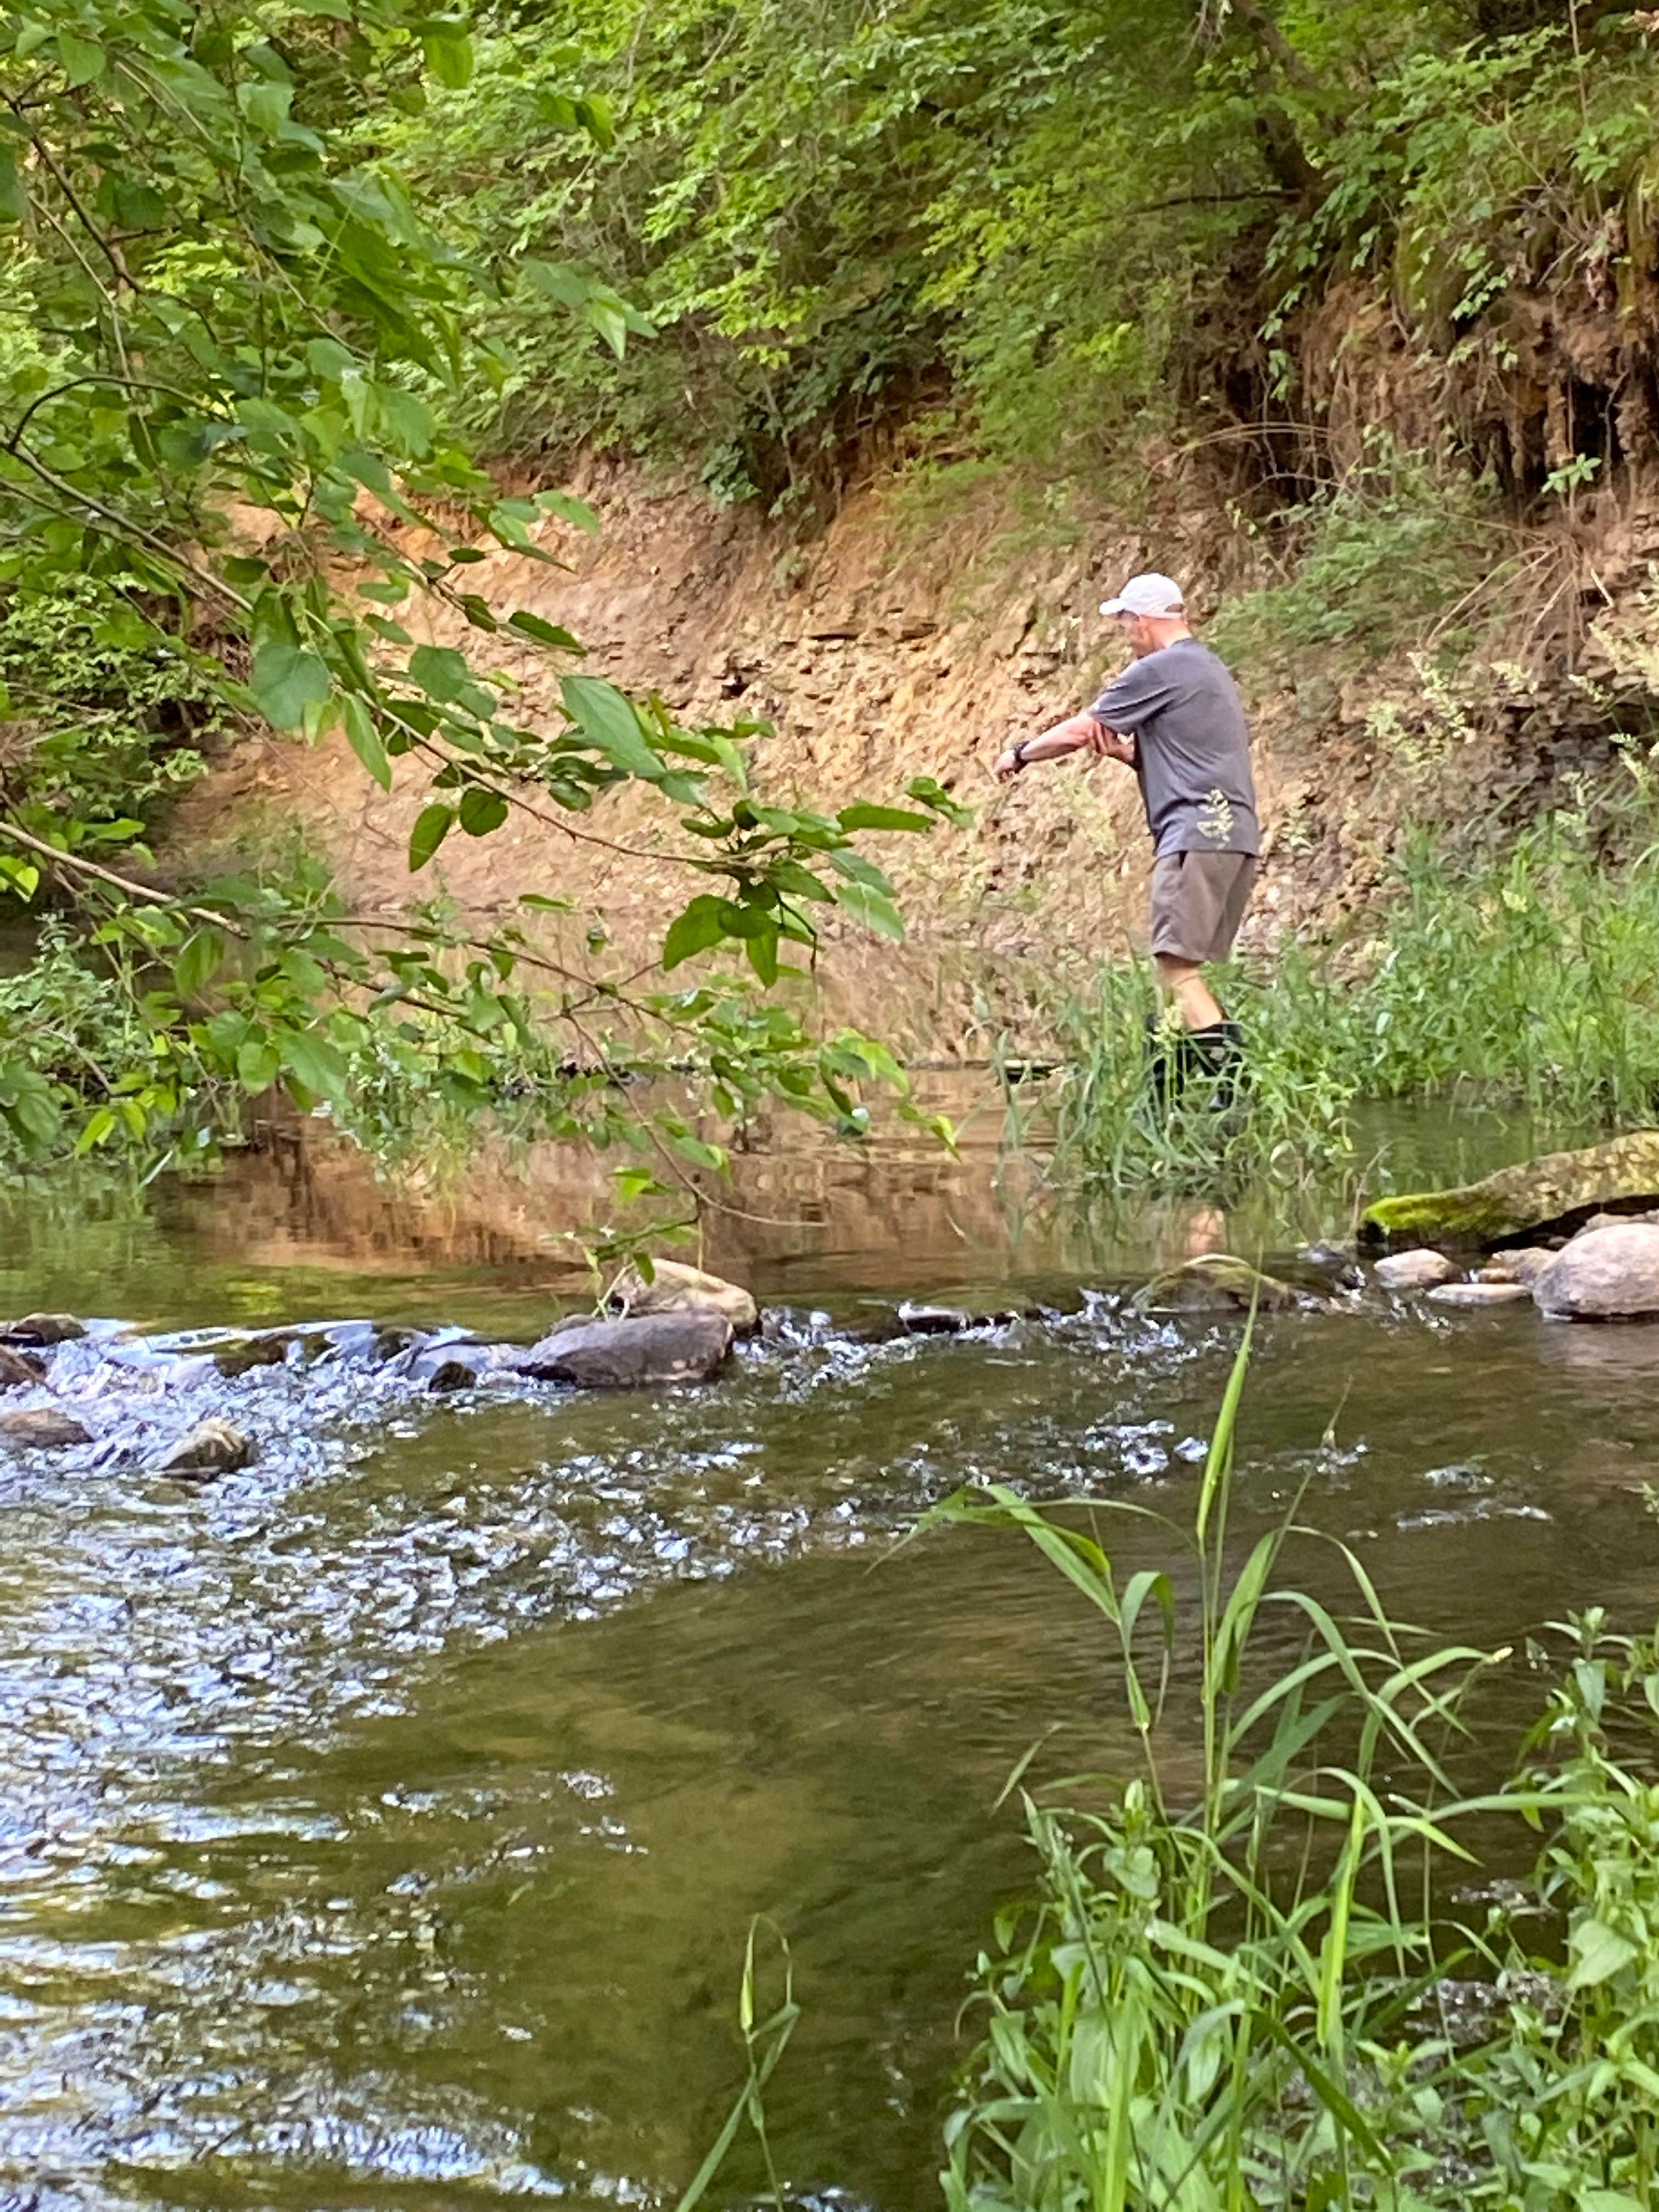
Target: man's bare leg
[[1183, 980]]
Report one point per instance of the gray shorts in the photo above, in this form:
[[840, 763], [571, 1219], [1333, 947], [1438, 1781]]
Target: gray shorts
[[1198, 902]]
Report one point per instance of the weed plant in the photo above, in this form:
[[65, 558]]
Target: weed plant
[[1240, 1984], [1288, 1121]]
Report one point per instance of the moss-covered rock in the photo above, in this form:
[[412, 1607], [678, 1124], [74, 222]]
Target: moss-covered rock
[[1563, 1188]]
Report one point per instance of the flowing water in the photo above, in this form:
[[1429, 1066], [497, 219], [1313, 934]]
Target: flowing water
[[380, 1826]]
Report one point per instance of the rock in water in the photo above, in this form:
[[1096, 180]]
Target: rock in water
[[43, 1328], [17, 1368], [1524, 1265], [933, 1320], [1216, 1282], [1414, 1271], [212, 1448], [1607, 1274], [675, 1288], [1479, 1294], [631, 1354], [1621, 1173], [42, 1428]]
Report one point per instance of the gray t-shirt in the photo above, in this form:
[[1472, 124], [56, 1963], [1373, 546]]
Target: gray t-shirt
[[1193, 747]]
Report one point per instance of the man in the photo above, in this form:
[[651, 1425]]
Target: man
[[1176, 718]]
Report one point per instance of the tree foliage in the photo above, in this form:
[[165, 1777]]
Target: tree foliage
[[234, 353], [1046, 221]]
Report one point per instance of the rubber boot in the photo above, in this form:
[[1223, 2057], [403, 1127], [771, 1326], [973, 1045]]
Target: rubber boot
[[1217, 1054], [1169, 1062]]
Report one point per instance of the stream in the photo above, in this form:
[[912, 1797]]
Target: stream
[[381, 1825]]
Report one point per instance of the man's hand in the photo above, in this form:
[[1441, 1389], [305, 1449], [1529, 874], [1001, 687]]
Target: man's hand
[[1008, 763]]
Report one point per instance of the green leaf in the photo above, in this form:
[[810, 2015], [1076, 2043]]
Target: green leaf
[[611, 323], [439, 670], [931, 792], [862, 816], [610, 724], [449, 56], [763, 957], [286, 680], [83, 58], [481, 810], [199, 960], [593, 113], [544, 632], [257, 1065], [700, 926], [1599, 1952], [557, 280], [873, 909], [634, 1183], [313, 1061], [100, 1127], [568, 508], [432, 826], [858, 870], [365, 740]]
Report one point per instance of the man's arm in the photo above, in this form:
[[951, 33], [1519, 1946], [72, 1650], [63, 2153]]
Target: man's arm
[[1080, 734], [1111, 746]]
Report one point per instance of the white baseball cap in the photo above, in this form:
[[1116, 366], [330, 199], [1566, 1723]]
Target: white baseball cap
[[1150, 594]]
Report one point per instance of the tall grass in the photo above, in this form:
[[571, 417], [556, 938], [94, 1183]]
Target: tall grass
[[1525, 978], [1244, 1979], [1241, 1982]]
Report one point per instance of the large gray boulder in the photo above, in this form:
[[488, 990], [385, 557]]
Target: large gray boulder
[[631, 1354], [1606, 1275]]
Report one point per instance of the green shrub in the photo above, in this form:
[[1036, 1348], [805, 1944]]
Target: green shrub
[[1372, 565], [102, 722], [1274, 1959]]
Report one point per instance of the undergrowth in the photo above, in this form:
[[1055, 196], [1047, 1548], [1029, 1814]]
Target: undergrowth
[[1527, 978], [1399, 544]]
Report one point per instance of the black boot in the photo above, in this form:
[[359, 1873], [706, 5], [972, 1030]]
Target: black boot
[[1169, 1062], [1217, 1055]]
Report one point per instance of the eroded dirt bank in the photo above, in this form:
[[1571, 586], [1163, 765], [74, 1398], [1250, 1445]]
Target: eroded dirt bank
[[892, 646]]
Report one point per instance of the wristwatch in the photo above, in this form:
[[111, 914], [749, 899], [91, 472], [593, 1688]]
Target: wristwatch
[[1019, 754]]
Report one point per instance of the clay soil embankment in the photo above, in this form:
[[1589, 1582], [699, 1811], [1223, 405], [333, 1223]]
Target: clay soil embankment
[[892, 646]]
